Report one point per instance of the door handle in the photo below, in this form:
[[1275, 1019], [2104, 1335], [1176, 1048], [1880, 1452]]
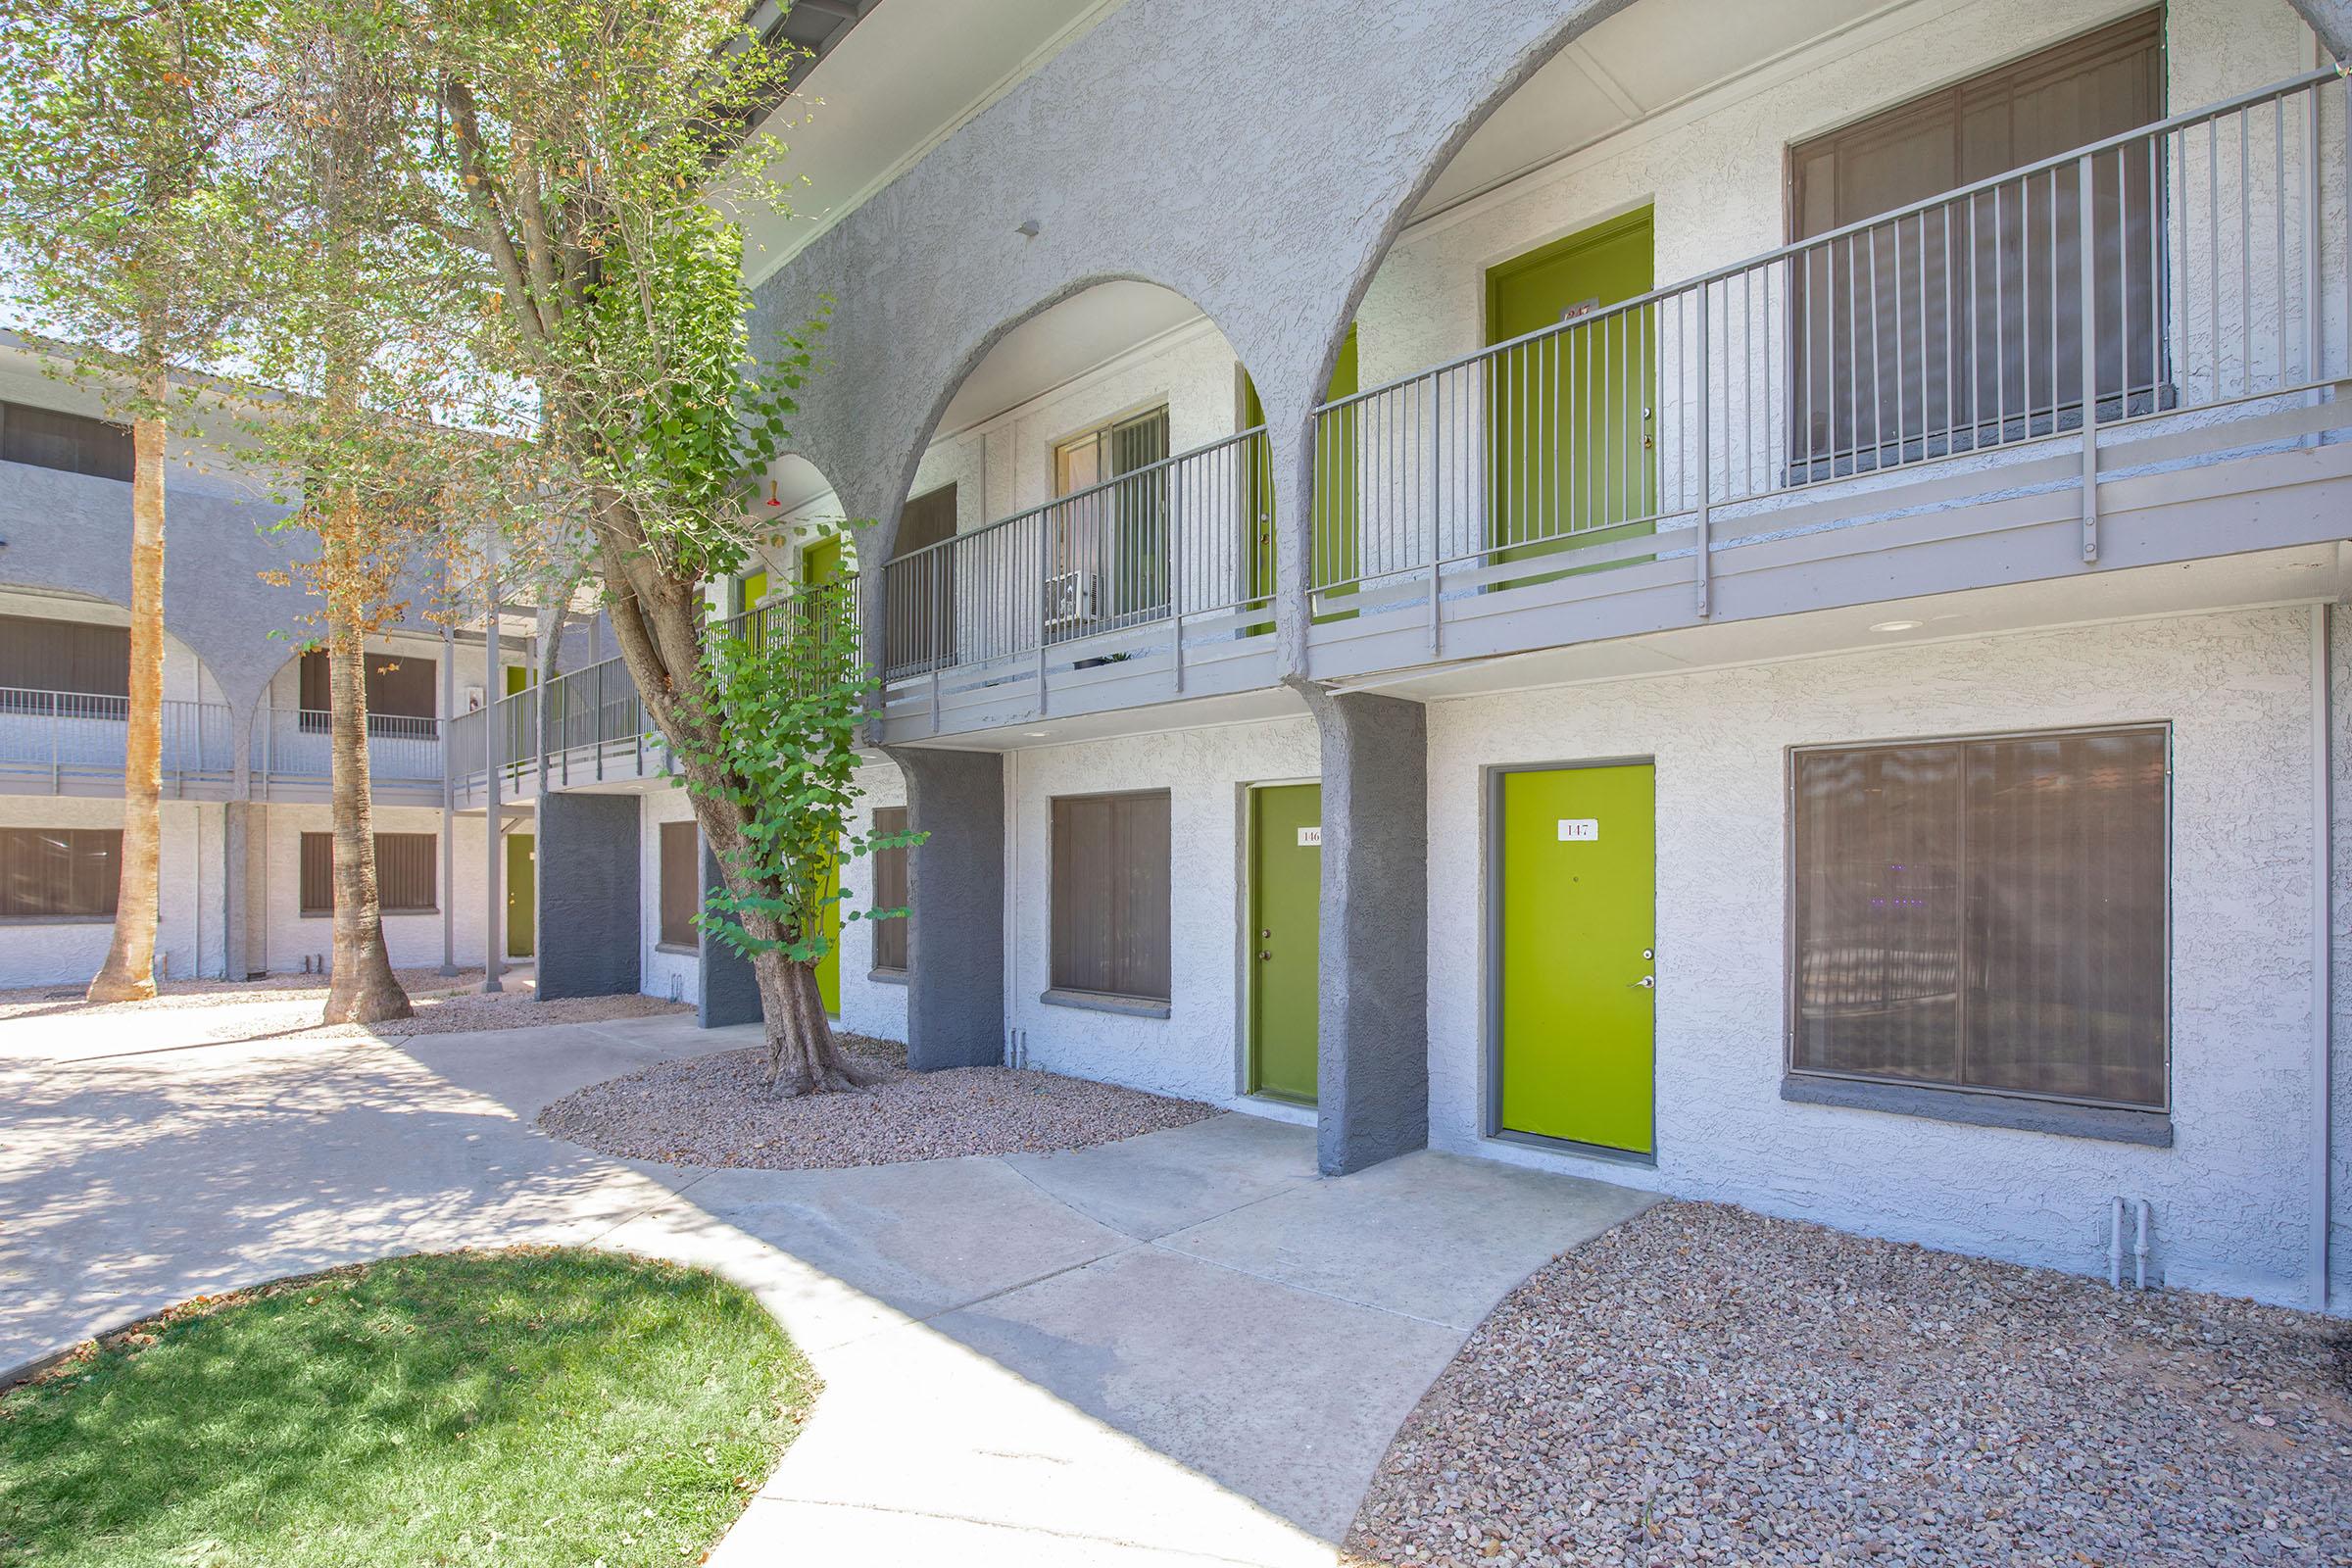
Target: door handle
[[1265, 958], [1649, 982]]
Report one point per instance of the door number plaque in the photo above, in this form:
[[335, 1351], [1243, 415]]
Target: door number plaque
[[1579, 829]]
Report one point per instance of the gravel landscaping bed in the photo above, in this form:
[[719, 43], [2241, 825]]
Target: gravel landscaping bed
[[716, 1110], [1705, 1384]]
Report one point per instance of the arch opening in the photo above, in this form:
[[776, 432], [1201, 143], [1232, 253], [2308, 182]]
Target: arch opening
[[1097, 473], [64, 684]]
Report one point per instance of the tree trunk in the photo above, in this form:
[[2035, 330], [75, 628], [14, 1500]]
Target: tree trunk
[[129, 973], [803, 1056], [363, 989]]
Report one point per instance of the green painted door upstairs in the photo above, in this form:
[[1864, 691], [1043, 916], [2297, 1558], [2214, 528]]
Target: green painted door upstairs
[[1571, 455], [1333, 500], [1282, 944]]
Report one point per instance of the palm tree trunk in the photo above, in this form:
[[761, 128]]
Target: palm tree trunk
[[363, 989], [128, 972]]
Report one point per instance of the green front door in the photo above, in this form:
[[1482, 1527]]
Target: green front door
[[1570, 452], [1576, 922], [522, 895], [1336, 554], [828, 967], [1286, 893]]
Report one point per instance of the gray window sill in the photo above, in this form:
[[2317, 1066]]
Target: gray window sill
[[2152, 1128], [57, 919], [887, 977], [1101, 1002], [684, 950]]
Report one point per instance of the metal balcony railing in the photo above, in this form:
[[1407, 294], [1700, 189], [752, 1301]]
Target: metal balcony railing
[[77, 735], [2194, 262], [297, 743], [1188, 535]]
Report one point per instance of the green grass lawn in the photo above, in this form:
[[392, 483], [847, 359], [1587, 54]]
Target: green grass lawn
[[536, 1406]]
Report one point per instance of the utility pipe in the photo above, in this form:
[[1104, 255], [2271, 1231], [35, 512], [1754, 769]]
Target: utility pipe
[[493, 838]]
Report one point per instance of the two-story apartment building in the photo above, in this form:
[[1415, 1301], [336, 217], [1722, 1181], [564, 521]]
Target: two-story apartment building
[[1744, 600], [246, 858]]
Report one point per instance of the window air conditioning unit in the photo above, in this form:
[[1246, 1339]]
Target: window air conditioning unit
[[1070, 598]]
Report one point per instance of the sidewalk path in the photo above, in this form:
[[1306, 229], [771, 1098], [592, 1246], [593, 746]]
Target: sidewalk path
[[1183, 1347]]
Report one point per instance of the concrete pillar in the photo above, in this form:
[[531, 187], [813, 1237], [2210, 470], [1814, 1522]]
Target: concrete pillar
[[591, 904], [1373, 1075], [233, 888], [955, 907], [726, 991]]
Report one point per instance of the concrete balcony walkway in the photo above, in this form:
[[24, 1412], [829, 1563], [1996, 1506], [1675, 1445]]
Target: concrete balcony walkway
[[1184, 1348]]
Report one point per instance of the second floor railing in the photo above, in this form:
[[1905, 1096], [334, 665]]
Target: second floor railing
[[299, 743], [81, 733], [2201, 261], [1188, 535]]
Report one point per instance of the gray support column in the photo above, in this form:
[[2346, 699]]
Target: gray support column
[[955, 907], [448, 804], [2338, 1087], [494, 838], [1373, 1075], [233, 891], [591, 910], [726, 991]]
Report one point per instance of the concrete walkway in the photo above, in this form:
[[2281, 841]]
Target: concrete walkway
[[1179, 1348]]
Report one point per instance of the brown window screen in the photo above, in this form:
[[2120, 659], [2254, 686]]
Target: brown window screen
[[59, 873], [1110, 894], [73, 441], [1962, 324], [64, 655], [890, 891], [407, 872], [919, 624], [398, 687], [1984, 914], [681, 882]]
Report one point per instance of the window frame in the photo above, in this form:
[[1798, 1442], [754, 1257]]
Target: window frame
[[305, 909], [113, 884], [1112, 1001], [893, 932], [662, 832], [1928, 1091]]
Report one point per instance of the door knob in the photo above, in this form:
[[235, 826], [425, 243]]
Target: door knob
[[1265, 958], [1649, 982]]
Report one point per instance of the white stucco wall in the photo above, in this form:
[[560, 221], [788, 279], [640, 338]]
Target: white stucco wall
[[191, 925], [412, 940], [664, 973], [2232, 1198], [1196, 1051], [869, 1007]]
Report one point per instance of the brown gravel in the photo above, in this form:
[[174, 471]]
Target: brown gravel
[[1703, 1385], [289, 1004], [716, 1110]]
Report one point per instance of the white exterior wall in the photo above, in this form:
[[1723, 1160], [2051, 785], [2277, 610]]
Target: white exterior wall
[[185, 679], [191, 923], [869, 1007], [664, 973], [1715, 168], [2232, 1197], [1196, 1051], [412, 940]]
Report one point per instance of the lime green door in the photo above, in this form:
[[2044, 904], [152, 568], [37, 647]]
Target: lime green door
[[1569, 451], [821, 562], [522, 895], [1286, 894], [828, 967], [1577, 921], [1335, 545]]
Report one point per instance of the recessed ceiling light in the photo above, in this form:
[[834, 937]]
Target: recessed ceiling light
[[1896, 626], [1035, 734]]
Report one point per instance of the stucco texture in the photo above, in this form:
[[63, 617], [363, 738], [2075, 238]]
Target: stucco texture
[[2232, 1198], [1194, 1052]]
